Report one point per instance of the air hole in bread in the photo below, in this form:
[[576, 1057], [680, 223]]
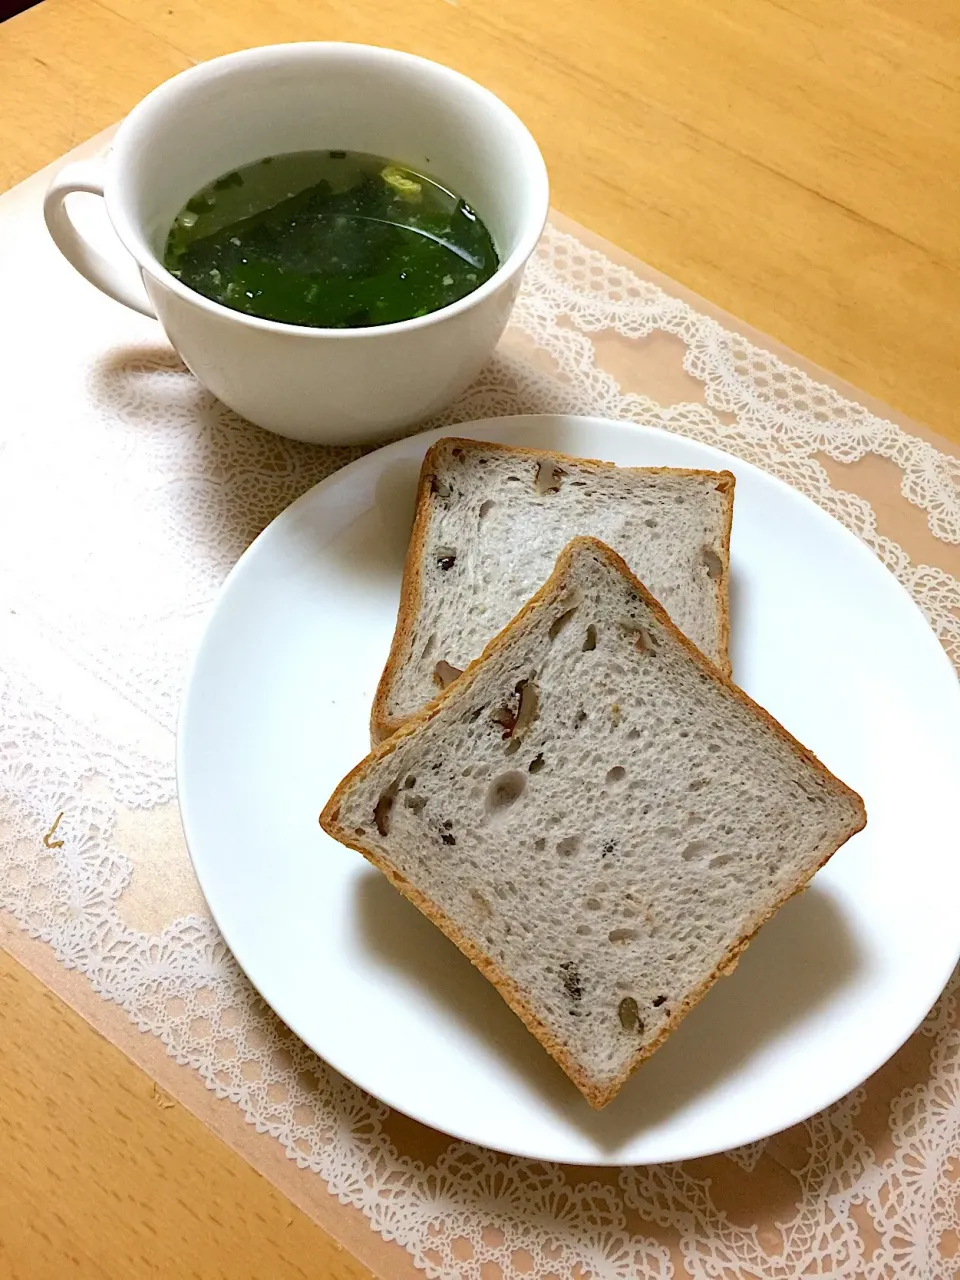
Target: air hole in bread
[[446, 558], [650, 522], [549, 478], [529, 705], [624, 933], [557, 625], [540, 844], [536, 764], [568, 845], [439, 487], [584, 930], [503, 792], [444, 673], [713, 562], [429, 647], [658, 1001], [695, 849], [359, 831], [616, 775], [416, 803], [409, 781], [633, 735], [678, 499], [590, 639], [579, 718], [720, 860], [384, 807], [592, 904], [486, 508]]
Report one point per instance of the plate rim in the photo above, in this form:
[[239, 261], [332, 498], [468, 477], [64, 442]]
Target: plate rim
[[470, 430]]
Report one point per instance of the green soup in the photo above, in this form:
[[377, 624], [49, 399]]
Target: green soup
[[332, 239]]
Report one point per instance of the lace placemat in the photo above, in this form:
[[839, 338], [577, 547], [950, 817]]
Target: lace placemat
[[126, 493]]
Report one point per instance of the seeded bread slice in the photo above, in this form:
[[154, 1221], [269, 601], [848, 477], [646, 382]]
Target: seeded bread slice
[[597, 818], [490, 522]]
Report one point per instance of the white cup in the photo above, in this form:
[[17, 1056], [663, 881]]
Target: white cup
[[323, 385]]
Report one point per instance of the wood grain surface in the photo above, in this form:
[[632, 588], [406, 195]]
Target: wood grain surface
[[796, 161], [104, 1177]]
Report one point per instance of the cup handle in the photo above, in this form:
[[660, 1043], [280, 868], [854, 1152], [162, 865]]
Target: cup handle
[[114, 278]]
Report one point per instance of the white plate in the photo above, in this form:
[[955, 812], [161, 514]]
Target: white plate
[[276, 712]]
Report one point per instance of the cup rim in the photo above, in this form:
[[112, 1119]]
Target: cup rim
[[136, 244]]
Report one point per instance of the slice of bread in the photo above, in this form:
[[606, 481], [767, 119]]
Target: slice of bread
[[596, 817], [492, 519]]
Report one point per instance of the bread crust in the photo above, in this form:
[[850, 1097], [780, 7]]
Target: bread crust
[[598, 1096], [382, 724]]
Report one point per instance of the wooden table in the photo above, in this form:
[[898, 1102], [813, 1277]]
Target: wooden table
[[795, 161]]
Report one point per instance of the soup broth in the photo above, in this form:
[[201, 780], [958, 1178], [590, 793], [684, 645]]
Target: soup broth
[[329, 239]]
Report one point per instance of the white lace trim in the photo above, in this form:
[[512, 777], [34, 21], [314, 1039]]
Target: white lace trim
[[118, 573]]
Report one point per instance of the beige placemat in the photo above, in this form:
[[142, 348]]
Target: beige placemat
[[125, 495]]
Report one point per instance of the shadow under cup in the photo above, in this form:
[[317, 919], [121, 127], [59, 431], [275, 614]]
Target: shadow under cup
[[235, 110]]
